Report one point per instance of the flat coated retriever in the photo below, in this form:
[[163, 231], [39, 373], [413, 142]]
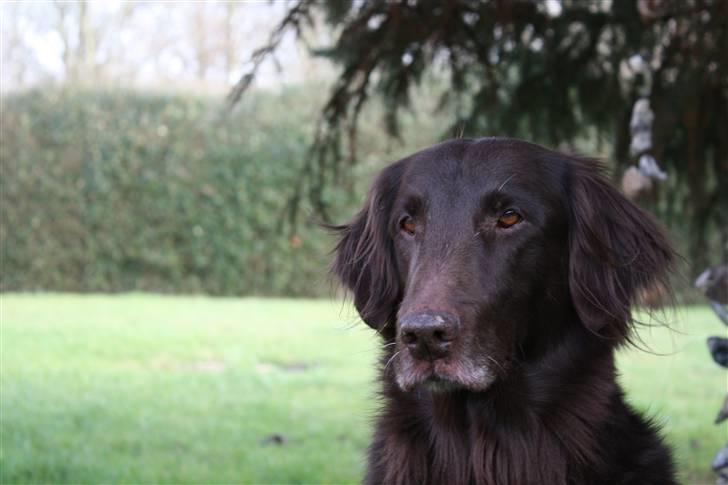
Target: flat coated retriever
[[501, 277]]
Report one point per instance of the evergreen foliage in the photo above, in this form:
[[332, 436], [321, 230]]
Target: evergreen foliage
[[548, 73]]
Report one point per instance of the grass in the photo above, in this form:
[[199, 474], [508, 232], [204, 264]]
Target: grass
[[142, 388]]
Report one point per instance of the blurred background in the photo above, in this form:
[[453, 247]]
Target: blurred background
[[166, 313]]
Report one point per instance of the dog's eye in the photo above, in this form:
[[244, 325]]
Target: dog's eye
[[509, 218], [408, 225]]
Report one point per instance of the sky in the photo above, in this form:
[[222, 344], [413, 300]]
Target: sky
[[145, 44]]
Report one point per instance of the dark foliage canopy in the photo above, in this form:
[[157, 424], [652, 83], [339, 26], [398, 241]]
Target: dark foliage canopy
[[553, 73]]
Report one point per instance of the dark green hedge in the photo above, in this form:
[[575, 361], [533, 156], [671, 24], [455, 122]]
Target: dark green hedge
[[109, 191]]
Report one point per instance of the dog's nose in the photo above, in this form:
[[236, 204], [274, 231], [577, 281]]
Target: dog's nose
[[428, 335]]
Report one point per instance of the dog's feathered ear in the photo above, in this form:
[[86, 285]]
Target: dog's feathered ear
[[365, 260], [615, 250]]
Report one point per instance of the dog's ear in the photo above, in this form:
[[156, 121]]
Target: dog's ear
[[615, 250], [365, 260]]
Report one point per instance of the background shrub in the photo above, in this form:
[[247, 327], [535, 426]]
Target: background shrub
[[105, 191]]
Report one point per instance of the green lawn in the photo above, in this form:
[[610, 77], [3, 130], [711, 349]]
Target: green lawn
[[142, 388]]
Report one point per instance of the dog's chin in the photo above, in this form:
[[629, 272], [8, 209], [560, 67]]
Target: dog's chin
[[436, 383], [441, 376]]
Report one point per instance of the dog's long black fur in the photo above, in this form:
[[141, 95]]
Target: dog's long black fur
[[527, 263]]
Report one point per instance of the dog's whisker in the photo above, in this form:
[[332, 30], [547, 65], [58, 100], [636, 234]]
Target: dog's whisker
[[497, 364], [505, 182], [391, 359]]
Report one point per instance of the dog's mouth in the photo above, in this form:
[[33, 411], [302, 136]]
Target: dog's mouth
[[442, 375], [428, 377]]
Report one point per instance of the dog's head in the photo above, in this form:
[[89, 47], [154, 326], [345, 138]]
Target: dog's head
[[475, 253]]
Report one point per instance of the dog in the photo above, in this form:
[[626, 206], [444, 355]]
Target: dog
[[501, 277]]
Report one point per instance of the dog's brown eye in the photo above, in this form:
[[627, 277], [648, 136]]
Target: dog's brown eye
[[509, 218], [408, 225]]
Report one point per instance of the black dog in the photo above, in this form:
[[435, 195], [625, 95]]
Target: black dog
[[501, 276]]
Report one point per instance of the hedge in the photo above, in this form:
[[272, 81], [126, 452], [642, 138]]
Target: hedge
[[119, 191]]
